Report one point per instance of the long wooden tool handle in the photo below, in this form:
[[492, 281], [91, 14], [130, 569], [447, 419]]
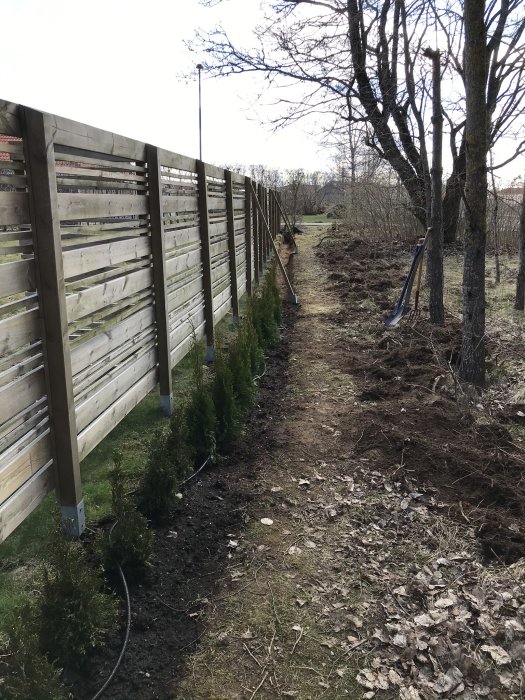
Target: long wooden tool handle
[[293, 295], [285, 217]]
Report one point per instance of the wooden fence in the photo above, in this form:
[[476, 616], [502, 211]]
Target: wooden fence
[[111, 252]]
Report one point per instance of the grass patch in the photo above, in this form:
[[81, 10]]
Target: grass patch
[[316, 219]]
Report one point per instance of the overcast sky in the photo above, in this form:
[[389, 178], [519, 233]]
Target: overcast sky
[[116, 64]]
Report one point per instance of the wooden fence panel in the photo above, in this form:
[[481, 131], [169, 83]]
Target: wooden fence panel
[[150, 248], [26, 473]]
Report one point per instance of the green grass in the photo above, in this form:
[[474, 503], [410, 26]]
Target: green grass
[[315, 219], [25, 548]]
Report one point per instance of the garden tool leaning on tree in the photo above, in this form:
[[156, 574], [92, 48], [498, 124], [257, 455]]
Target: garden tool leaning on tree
[[403, 307]]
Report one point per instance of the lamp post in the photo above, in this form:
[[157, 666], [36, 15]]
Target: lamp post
[[199, 68]]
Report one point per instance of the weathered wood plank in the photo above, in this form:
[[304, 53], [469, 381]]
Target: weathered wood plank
[[183, 294], [177, 203], [160, 276], [21, 468], [111, 417], [21, 393], [80, 261], [98, 347], [117, 384], [89, 300], [174, 160], [73, 206], [40, 161], [184, 261], [16, 509], [231, 244], [67, 132], [220, 271], [181, 237], [16, 277], [248, 234], [14, 208], [205, 256], [19, 330]]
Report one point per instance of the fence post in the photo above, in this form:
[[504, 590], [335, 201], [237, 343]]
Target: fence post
[[248, 234], [230, 227], [256, 236], [204, 230], [158, 255], [49, 266], [262, 237]]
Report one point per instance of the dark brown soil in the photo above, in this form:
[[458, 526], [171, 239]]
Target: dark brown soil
[[415, 418], [407, 421]]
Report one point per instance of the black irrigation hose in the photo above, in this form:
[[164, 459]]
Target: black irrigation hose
[[101, 691], [111, 676]]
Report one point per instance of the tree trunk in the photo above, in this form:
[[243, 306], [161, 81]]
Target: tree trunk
[[435, 249], [453, 196], [472, 367], [520, 279]]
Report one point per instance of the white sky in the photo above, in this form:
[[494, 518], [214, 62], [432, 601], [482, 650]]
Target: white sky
[[116, 64]]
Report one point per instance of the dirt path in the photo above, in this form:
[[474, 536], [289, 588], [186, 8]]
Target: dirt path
[[319, 562]]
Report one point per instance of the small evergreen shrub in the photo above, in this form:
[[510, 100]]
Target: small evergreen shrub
[[240, 364], [75, 614], [226, 410], [200, 411], [169, 462], [131, 541], [255, 351], [25, 671]]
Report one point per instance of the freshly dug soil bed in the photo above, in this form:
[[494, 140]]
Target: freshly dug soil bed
[[414, 417], [190, 557]]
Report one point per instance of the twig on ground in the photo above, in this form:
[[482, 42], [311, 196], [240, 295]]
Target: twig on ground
[[297, 641], [463, 512], [273, 605], [250, 653], [259, 686]]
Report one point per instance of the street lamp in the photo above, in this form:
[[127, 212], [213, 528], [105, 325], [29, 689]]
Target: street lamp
[[199, 68]]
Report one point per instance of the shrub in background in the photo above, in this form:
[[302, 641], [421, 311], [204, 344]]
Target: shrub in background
[[265, 311], [131, 541], [228, 424], [75, 614], [25, 671], [169, 462], [200, 411]]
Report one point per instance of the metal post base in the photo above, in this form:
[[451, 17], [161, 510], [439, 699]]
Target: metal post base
[[74, 519], [235, 321], [166, 404], [292, 298], [210, 353]]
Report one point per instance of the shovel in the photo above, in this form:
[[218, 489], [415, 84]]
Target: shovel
[[403, 307]]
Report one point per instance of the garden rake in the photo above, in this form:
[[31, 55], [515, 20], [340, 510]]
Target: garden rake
[[402, 308]]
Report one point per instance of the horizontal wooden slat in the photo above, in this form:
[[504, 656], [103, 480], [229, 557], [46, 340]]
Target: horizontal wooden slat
[[219, 229], [84, 260], [176, 203], [16, 277], [21, 393], [182, 262], [176, 161], [9, 119], [220, 271], [16, 509], [111, 391], [214, 171], [181, 296], [111, 417], [89, 300], [67, 132], [18, 330], [73, 206], [22, 467], [14, 208], [180, 237], [218, 248], [64, 170]]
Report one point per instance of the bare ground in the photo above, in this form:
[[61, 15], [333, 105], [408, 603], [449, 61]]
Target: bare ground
[[364, 540]]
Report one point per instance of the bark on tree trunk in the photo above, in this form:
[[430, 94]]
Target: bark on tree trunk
[[435, 250], [452, 199], [472, 367], [520, 279]]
